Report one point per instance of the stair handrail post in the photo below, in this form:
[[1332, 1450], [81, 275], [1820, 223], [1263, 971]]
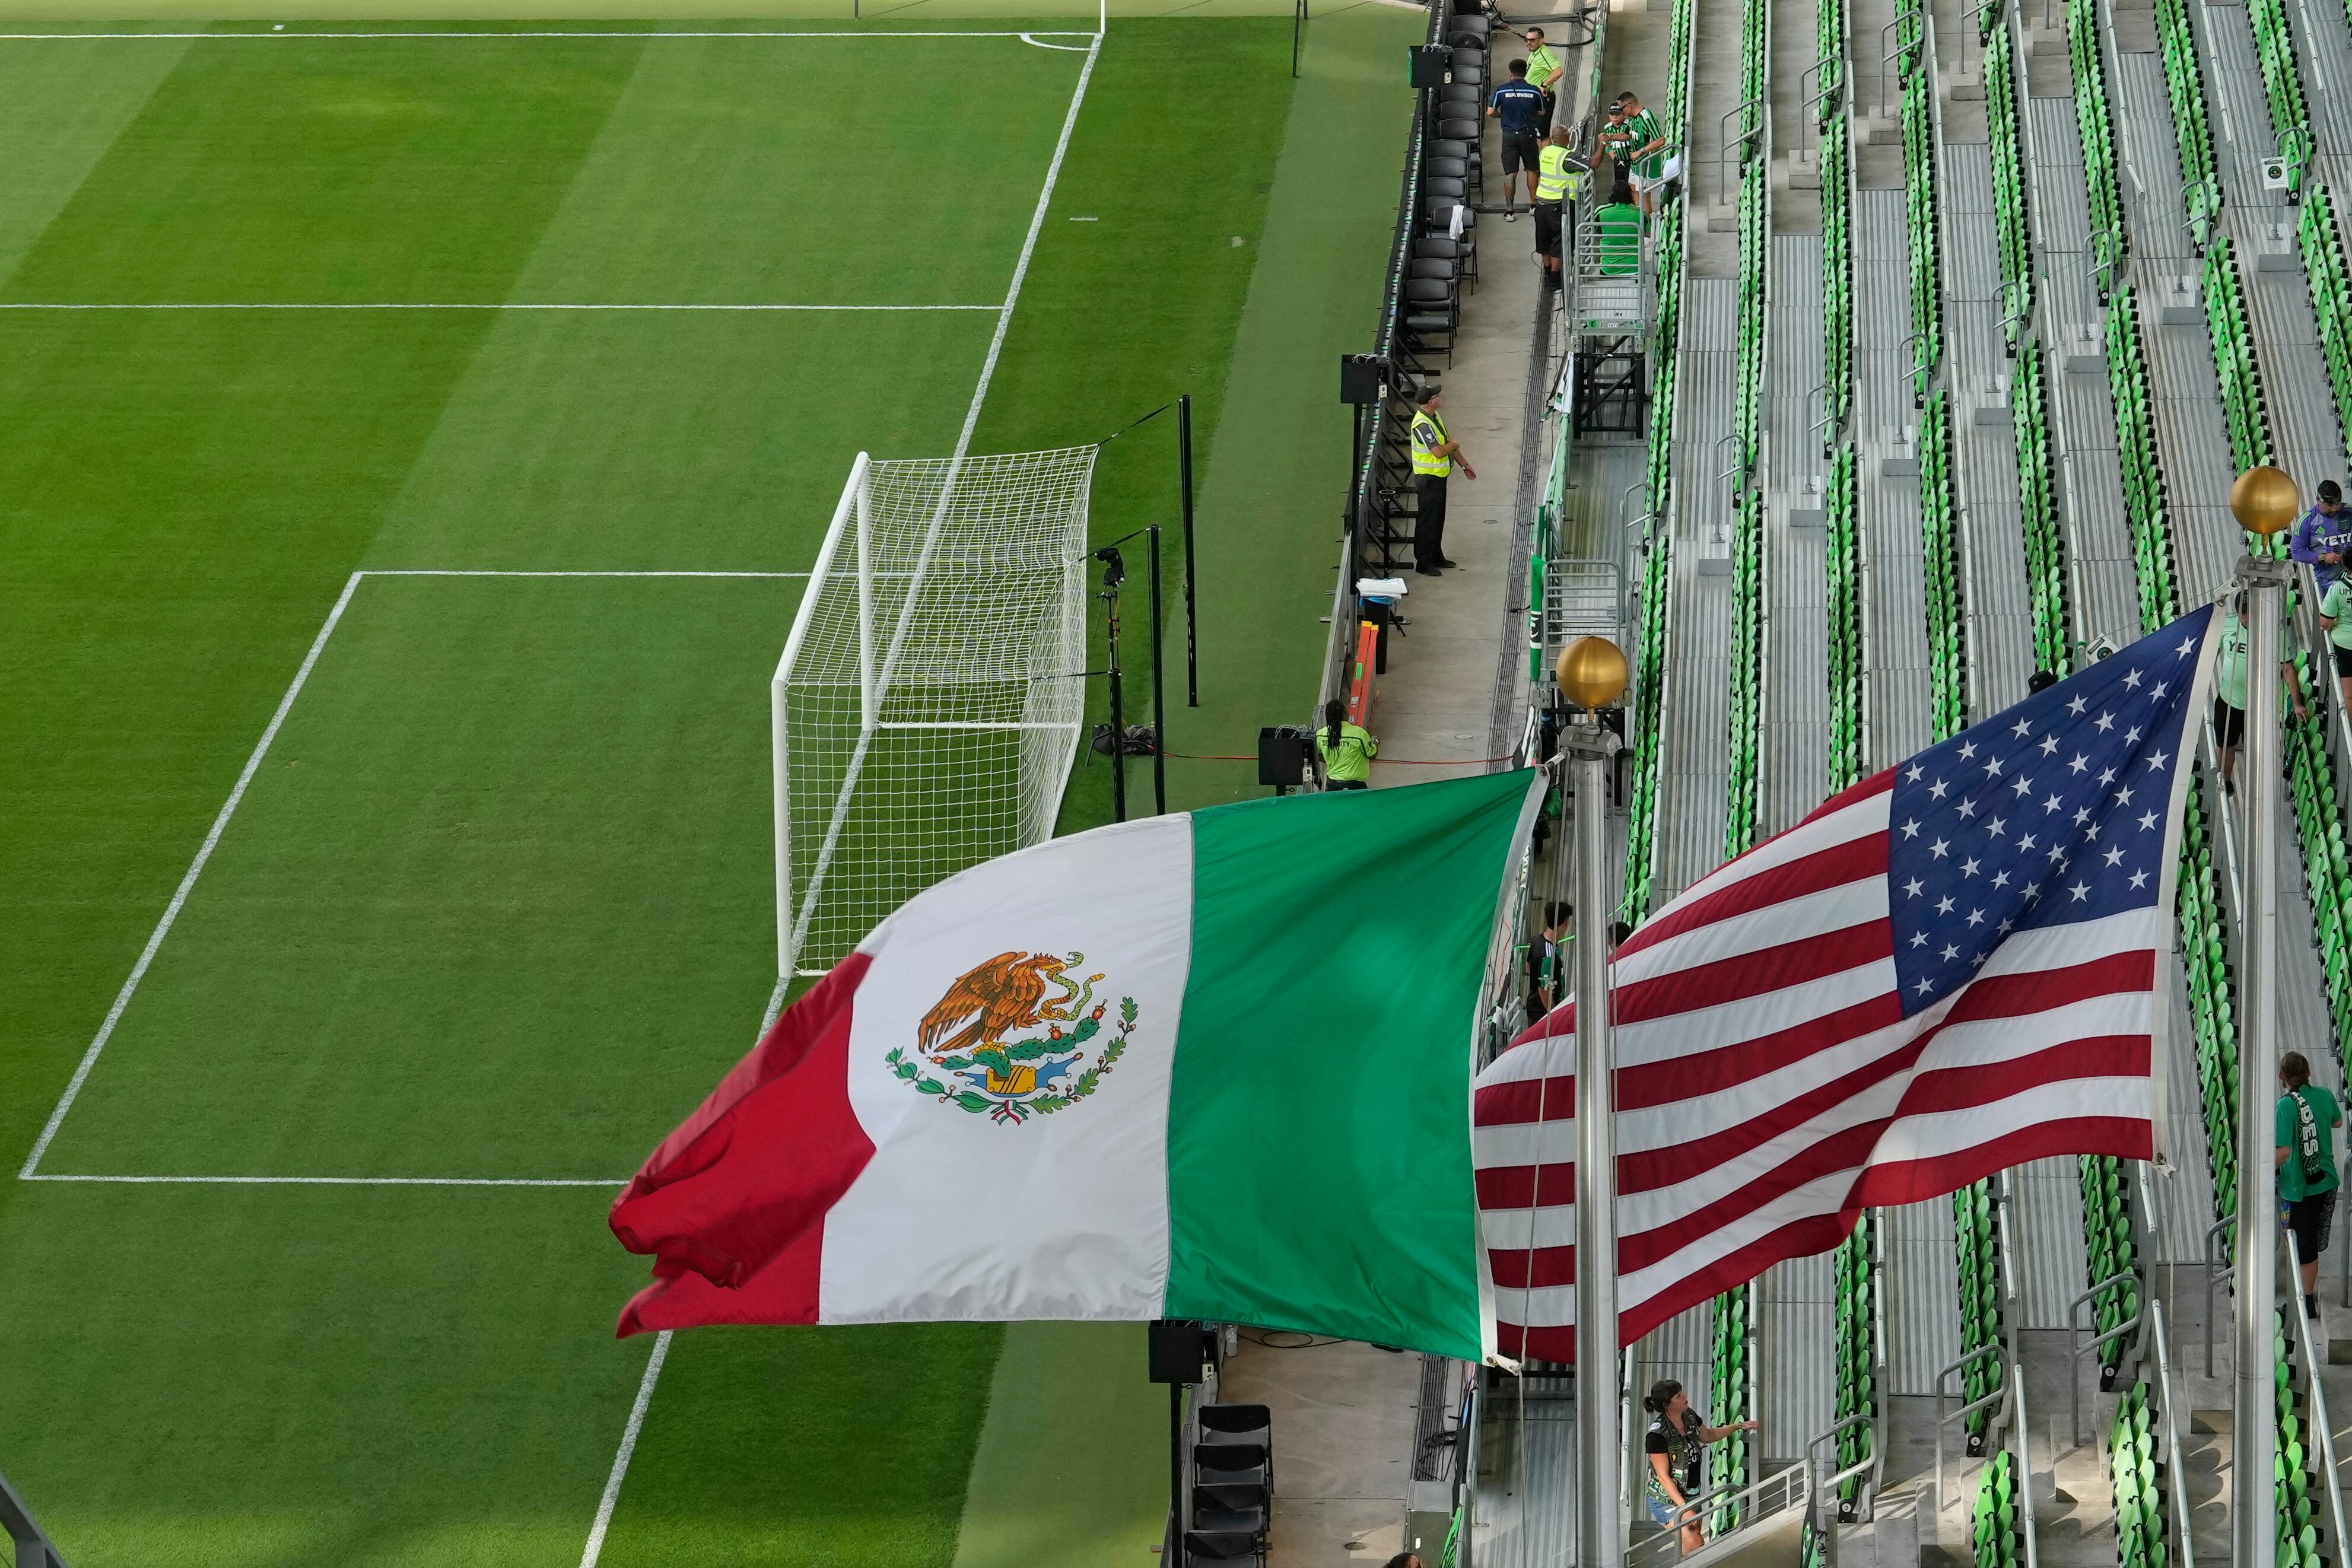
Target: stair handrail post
[[2185, 1550], [2322, 1432]]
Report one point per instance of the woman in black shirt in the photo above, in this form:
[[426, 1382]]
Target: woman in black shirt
[[1677, 1450]]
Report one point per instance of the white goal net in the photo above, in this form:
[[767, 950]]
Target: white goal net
[[932, 694]]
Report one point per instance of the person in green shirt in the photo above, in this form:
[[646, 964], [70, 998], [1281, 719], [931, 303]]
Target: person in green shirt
[[2307, 1120], [1617, 231], [2335, 614], [1641, 144], [2230, 688], [1345, 749]]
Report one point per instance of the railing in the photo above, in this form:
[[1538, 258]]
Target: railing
[[1872, 1466], [2184, 1551], [1793, 1486], [1999, 1395], [33, 1549], [2076, 1349], [2319, 1435], [2217, 1247], [2024, 1430], [1363, 501]]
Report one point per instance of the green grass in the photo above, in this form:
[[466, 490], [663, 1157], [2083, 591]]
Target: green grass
[[498, 904]]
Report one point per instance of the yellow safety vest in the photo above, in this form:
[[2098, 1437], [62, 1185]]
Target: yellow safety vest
[[1556, 177], [1428, 436]]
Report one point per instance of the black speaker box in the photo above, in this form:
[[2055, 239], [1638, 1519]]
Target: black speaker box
[[1281, 756], [1428, 65], [1363, 378], [1180, 1347]]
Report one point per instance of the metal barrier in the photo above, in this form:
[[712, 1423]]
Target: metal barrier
[[1793, 1486], [1363, 499], [33, 1549], [2076, 1349], [2182, 1547]]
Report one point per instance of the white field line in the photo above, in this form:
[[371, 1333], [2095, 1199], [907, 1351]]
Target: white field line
[[541, 33], [386, 305], [595, 1547], [931, 536], [620, 1471], [496, 571], [335, 1181], [187, 884]]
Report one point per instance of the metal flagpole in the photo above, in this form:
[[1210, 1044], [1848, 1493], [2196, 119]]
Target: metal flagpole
[[2264, 501], [1591, 675]]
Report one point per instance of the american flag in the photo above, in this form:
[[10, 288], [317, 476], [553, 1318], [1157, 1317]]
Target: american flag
[[1947, 969]]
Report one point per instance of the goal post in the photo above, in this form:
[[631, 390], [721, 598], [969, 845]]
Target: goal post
[[931, 698]]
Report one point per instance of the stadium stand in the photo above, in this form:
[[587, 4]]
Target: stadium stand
[[2184, 81]]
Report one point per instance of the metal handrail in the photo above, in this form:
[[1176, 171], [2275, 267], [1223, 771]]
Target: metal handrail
[[2215, 1250], [1998, 1395], [1716, 456], [2181, 1544], [1816, 426], [1890, 55], [2025, 1430], [2075, 1349], [2318, 1429], [1747, 134], [1827, 1485], [2109, 245], [1695, 1510], [33, 1549], [1970, 14]]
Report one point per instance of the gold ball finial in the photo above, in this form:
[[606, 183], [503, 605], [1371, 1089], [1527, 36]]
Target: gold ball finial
[[2264, 500], [1592, 673]]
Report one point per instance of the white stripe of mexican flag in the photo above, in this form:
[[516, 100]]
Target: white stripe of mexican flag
[[1209, 1065]]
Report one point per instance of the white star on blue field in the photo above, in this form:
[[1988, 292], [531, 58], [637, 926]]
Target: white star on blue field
[[2051, 812]]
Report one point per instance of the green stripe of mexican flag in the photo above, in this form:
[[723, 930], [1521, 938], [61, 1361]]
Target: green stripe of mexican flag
[[1208, 1065]]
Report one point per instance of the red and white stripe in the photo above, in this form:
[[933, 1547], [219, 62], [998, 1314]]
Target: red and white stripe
[[1768, 1088]]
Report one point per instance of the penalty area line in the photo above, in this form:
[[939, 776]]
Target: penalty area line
[[187, 884]]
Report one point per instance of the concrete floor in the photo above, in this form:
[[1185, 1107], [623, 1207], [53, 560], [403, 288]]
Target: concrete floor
[[1343, 1425]]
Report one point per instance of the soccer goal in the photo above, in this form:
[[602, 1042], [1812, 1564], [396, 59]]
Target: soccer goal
[[931, 694]]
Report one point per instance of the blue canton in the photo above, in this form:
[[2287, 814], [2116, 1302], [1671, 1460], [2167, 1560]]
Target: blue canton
[[2053, 811]]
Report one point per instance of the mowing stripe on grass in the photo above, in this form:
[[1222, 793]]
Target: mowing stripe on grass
[[526, 572], [297, 305], [187, 884]]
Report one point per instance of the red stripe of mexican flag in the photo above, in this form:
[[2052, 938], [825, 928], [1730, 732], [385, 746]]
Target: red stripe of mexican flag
[[1210, 1065]]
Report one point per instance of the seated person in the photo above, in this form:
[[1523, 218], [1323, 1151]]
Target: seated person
[[1617, 230]]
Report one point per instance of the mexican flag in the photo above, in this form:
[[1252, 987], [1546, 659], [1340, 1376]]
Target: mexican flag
[[1213, 1065]]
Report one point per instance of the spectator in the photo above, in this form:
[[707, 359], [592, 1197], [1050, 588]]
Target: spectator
[[1545, 71], [1517, 104], [2230, 688], [2306, 1153], [1546, 958], [1434, 452], [1617, 231], [1642, 143], [1619, 932], [1402, 1560], [1676, 1451], [2322, 534], [1346, 750], [1559, 184], [2335, 615]]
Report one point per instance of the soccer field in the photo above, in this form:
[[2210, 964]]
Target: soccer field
[[415, 440]]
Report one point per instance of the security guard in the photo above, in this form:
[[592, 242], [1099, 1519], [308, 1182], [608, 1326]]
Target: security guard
[[1434, 454], [1345, 749], [1559, 186], [1545, 71]]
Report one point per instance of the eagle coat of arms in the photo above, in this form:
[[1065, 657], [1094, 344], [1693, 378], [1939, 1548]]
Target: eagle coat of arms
[[966, 1038]]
